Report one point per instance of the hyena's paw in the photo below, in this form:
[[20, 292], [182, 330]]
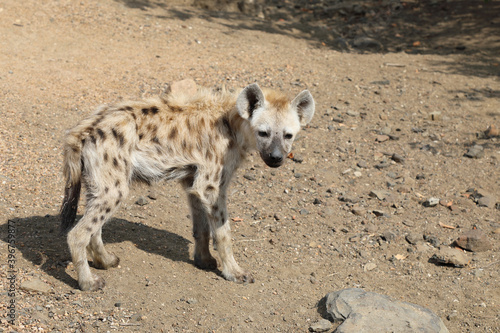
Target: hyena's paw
[[96, 283], [209, 262], [239, 277], [110, 262]]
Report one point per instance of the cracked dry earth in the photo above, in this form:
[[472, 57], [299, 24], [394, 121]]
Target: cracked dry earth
[[346, 210]]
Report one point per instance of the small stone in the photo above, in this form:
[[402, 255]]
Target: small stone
[[118, 304], [388, 236], [413, 238], [249, 176], [409, 223], [367, 43], [35, 285], [475, 151], [491, 131], [362, 164], [321, 326], [379, 213], [382, 138], [277, 216], [356, 210], [152, 194], [137, 317], [369, 267], [450, 256], [352, 113], [298, 158], [317, 201], [397, 158], [486, 201], [141, 201], [382, 165], [433, 240], [496, 231], [431, 202], [357, 174], [303, 211], [386, 130], [379, 194], [192, 301], [474, 240]]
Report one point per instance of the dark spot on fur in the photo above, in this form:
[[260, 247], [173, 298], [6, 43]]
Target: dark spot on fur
[[98, 119], [141, 136], [188, 124], [93, 139], [207, 177], [106, 189], [118, 136], [120, 194], [232, 144], [108, 210], [156, 140], [101, 134], [129, 108], [208, 155], [89, 229], [145, 111], [106, 157], [115, 162], [173, 133], [215, 208], [94, 220], [154, 110], [117, 202], [103, 217], [210, 188], [117, 183], [159, 150], [133, 116]]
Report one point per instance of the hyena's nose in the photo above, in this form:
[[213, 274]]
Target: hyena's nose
[[276, 156]]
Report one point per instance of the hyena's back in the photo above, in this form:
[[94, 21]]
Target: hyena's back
[[150, 140]]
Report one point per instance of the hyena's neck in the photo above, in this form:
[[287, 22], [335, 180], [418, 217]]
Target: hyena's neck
[[243, 134]]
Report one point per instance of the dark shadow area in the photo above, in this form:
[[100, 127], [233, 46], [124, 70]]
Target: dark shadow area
[[468, 28], [39, 241]]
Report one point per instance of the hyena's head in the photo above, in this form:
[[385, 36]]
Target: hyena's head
[[274, 120]]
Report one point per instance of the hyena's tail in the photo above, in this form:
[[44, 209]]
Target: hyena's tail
[[73, 167]]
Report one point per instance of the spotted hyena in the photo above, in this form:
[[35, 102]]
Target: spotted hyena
[[199, 139]]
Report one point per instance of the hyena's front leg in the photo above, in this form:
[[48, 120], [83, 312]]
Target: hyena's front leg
[[201, 233], [214, 200], [222, 239]]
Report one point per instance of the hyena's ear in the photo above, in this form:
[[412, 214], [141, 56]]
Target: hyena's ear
[[304, 104], [249, 100]]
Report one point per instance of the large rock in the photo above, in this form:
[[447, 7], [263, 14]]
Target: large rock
[[366, 312]]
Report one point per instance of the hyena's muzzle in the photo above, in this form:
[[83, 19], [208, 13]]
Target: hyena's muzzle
[[273, 154]]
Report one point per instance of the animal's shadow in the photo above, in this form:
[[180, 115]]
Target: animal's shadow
[[38, 240]]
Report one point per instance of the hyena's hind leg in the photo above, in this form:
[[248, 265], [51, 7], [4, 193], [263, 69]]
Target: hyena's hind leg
[[101, 204], [201, 233]]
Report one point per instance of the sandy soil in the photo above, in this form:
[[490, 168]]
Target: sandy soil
[[424, 87]]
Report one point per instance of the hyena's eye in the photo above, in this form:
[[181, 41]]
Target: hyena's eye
[[263, 134], [288, 136]]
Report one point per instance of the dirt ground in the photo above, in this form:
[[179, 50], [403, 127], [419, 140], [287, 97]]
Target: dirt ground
[[415, 79]]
